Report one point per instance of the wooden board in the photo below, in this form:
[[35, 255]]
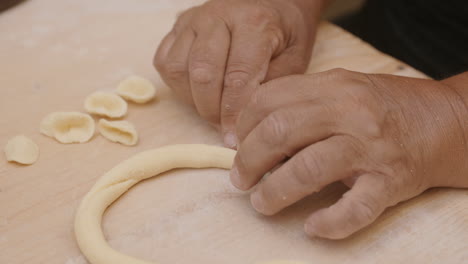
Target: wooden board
[[53, 53]]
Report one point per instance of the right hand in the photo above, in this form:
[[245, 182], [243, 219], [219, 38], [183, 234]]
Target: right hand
[[218, 53]]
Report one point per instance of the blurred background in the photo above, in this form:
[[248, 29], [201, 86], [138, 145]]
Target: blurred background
[[5, 4], [337, 9], [341, 8]]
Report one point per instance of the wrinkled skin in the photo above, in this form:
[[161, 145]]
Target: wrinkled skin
[[388, 137], [217, 53]]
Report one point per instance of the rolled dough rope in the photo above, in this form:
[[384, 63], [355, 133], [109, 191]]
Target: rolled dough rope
[[122, 177]]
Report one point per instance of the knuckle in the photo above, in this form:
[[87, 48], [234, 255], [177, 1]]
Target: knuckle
[[360, 92], [364, 124], [367, 119], [372, 128], [274, 130], [364, 210], [237, 75], [202, 73], [338, 73], [257, 105], [172, 70], [275, 38], [203, 67], [307, 170], [332, 74]]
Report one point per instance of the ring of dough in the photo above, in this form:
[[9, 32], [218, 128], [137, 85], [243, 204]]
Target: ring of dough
[[123, 176]]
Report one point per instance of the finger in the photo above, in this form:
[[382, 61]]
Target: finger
[[249, 56], [280, 135], [274, 95], [293, 60], [163, 50], [307, 172], [206, 69], [358, 207], [174, 68]]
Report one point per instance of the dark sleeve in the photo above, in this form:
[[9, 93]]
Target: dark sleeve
[[430, 35]]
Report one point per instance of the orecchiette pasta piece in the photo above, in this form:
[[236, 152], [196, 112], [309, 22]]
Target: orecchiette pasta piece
[[68, 127], [118, 131], [22, 150], [136, 89], [105, 104]]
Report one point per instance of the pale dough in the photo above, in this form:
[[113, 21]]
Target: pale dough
[[105, 104], [22, 150], [118, 131], [68, 127], [136, 89], [122, 177]]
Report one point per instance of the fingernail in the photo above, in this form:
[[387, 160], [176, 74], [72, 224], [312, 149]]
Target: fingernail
[[235, 178], [257, 202], [310, 229], [230, 140]]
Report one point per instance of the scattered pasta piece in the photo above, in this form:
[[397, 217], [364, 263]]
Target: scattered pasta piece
[[118, 131], [105, 104], [68, 127], [22, 150], [136, 89]]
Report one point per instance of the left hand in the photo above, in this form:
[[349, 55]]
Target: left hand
[[217, 53], [388, 137]]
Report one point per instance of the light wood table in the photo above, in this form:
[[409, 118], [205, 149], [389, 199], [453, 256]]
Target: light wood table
[[53, 53]]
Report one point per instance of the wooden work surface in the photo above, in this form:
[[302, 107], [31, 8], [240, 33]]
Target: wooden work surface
[[53, 53]]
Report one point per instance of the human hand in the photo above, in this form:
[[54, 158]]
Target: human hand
[[388, 137], [219, 52]]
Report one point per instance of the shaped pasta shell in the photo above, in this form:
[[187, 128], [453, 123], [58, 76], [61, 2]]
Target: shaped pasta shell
[[22, 150], [68, 127], [118, 131], [105, 104], [136, 89]]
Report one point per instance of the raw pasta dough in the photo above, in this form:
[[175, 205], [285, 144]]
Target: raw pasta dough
[[126, 174], [22, 150], [105, 104], [136, 89], [122, 177], [68, 127], [118, 131]]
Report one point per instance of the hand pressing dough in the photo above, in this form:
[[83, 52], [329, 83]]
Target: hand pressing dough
[[122, 177], [68, 127], [136, 89], [118, 131], [105, 104], [22, 150]]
